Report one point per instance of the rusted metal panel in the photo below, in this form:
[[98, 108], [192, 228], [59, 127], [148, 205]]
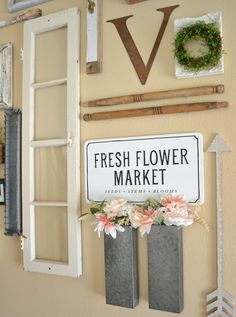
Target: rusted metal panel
[[141, 69]]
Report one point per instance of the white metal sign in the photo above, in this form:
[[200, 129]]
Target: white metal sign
[[145, 167]]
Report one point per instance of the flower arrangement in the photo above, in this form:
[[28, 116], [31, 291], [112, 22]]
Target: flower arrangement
[[170, 210]]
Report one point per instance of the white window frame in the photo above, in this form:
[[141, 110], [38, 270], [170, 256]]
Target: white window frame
[[71, 19], [17, 6], [6, 74]]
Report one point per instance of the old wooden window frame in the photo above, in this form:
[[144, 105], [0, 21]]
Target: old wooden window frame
[[71, 19], [17, 6], [6, 74]]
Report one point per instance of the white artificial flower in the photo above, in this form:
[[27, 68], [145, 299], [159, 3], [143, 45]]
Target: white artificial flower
[[178, 218], [113, 208]]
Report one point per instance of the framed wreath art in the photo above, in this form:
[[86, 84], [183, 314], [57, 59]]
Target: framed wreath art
[[209, 60]]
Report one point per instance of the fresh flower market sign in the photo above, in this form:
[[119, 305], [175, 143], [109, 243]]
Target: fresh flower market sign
[[145, 167]]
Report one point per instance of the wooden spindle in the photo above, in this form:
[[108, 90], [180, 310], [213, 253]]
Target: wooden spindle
[[158, 95], [150, 111]]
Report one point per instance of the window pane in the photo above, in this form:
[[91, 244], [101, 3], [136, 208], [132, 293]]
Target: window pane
[[50, 113], [51, 234], [51, 55], [51, 174]]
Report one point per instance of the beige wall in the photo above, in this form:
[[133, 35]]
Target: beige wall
[[29, 294]]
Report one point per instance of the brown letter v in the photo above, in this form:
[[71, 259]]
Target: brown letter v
[[142, 70]]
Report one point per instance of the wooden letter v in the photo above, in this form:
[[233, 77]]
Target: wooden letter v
[[142, 70]]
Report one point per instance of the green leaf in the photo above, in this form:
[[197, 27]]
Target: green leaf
[[102, 205], [84, 216], [94, 210]]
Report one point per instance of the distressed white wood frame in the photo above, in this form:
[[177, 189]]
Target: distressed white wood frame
[[6, 74], [17, 6], [94, 39], [180, 71], [71, 19]]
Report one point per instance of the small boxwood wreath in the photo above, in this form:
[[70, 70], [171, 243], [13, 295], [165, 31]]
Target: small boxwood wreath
[[213, 42]]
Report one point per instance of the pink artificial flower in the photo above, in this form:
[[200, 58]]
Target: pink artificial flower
[[175, 211], [171, 203], [103, 224], [143, 221], [114, 208]]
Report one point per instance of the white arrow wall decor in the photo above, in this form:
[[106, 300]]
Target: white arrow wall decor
[[219, 303]]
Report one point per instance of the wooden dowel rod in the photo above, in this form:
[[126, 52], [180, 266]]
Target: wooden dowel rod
[[158, 95], [27, 15], [134, 1], [170, 109]]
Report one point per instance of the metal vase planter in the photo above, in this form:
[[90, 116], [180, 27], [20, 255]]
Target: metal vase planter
[[165, 268], [121, 274]]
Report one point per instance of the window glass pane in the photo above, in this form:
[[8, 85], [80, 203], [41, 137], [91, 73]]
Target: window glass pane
[[51, 234], [50, 113], [51, 174], [51, 55]]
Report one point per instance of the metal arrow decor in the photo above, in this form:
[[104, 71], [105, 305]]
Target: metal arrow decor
[[219, 303]]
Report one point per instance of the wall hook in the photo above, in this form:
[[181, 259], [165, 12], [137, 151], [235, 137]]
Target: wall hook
[[91, 6], [69, 140]]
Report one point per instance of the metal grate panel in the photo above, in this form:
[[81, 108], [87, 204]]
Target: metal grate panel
[[13, 205]]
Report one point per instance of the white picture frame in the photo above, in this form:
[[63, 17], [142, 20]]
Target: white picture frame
[[6, 74], [17, 6], [180, 71]]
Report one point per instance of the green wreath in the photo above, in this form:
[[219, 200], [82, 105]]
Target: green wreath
[[213, 42]]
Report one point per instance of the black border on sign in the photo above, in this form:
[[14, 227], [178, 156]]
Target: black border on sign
[[139, 139]]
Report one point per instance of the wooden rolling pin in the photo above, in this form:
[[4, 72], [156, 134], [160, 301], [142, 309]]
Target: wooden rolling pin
[[158, 95], [188, 107]]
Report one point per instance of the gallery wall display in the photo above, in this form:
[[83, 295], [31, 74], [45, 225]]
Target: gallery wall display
[[94, 37], [219, 302], [14, 5], [207, 28], [150, 185], [6, 74], [142, 167]]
